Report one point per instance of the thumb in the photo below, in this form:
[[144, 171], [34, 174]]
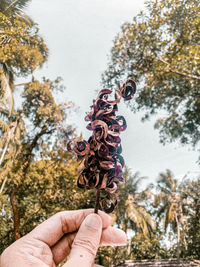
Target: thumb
[[86, 242]]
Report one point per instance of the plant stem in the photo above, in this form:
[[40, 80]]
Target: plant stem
[[97, 201]]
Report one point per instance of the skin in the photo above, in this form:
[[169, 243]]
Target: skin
[[73, 234]]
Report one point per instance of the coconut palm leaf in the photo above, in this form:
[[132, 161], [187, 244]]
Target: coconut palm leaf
[[20, 4], [138, 214], [14, 8], [4, 126]]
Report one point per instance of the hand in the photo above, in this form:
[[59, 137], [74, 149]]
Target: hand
[[75, 233]]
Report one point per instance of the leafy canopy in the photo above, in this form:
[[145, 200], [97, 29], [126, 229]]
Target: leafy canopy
[[160, 49]]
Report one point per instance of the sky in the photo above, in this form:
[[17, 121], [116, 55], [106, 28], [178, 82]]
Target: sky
[[79, 35]]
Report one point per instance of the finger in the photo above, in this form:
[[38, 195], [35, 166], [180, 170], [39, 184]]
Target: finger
[[113, 237], [86, 242], [110, 237], [51, 230], [97, 265], [62, 248]]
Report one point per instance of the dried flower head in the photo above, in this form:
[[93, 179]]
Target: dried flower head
[[103, 162]]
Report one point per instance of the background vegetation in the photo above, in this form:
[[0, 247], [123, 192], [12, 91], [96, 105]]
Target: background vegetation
[[160, 50]]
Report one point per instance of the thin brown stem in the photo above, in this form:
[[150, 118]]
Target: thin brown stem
[[97, 201], [21, 84], [16, 217]]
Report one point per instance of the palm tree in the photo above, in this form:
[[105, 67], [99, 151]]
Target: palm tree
[[169, 204], [9, 10], [191, 193], [131, 212]]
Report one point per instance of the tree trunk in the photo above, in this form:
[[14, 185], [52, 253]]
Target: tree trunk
[[4, 151], [15, 213], [184, 229], [13, 199], [178, 236], [9, 137]]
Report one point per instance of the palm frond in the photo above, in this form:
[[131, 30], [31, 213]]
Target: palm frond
[[4, 126], [15, 8], [161, 210], [139, 216], [163, 189], [7, 5], [172, 211], [166, 219], [167, 180]]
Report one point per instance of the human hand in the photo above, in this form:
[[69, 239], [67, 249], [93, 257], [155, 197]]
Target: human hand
[[75, 233]]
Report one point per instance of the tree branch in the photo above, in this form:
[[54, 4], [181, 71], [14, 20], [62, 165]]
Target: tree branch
[[32, 146], [20, 84], [190, 76]]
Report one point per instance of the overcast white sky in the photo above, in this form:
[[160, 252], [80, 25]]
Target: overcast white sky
[[79, 34]]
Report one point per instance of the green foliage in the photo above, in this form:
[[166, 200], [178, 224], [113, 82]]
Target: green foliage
[[139, 247], [22, 49], [160, 50], [191, 192], [143, 247], [36, 170], [111, 256], [37, 174]]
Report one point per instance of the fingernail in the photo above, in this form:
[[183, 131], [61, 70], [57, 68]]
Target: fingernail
[[93, 221]]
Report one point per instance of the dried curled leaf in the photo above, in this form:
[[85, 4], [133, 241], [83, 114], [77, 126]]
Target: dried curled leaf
[[101, 153]]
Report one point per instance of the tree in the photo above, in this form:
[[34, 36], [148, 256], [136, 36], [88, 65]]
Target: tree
[[22, 51], [33, 170], [170, 206], [37, 173], [191, 192], [160, 50], [131, 211]]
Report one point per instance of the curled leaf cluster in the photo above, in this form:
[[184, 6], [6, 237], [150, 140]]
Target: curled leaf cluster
[[103, 162]]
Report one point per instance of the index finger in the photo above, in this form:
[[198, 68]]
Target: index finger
[[51, 230]]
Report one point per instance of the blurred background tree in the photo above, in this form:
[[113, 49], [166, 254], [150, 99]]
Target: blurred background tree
[[170, 206], [37, 174], [191, 193], [160, 50]]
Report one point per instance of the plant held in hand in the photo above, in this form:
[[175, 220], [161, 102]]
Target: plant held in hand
[[101, 153]]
